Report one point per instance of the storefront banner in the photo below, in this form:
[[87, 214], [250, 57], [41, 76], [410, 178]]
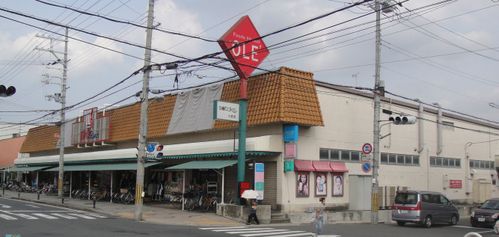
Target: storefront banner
[[259, 179], [193, 110]]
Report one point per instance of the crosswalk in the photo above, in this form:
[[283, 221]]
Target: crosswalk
[[17, 215], [247, 231]]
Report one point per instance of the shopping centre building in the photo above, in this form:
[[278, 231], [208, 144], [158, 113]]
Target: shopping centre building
[[305, 137]]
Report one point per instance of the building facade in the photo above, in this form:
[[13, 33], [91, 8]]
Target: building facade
[[304, 142]]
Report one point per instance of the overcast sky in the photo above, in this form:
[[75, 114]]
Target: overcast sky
[[439, 53]]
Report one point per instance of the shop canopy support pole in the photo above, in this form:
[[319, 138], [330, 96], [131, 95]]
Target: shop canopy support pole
[[89, 183], [37, 178], [111, 189], [70, 184], [183, 192], [223, 185]]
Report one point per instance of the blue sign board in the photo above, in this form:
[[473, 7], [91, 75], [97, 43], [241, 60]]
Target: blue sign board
[[366, 167], [291, 133]]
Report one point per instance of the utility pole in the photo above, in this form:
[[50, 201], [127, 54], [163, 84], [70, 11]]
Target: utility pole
[[139, 185], [376, 126], [61, 98]]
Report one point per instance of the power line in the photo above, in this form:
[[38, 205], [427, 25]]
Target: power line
[[126, 22]]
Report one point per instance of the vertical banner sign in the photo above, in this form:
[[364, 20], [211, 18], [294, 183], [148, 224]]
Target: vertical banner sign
[[243, 46], [259, 179]]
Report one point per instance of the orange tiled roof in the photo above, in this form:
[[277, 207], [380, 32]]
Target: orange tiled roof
[[9, 147], [284, 96], [40, 139]]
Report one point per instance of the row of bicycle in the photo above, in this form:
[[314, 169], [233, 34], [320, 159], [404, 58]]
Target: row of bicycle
[[23, 187], [117, 197]]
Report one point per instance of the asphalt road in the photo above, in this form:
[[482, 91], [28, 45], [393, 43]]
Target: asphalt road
[[22, 219]]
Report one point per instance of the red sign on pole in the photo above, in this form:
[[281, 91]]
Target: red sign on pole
[[250, 50]]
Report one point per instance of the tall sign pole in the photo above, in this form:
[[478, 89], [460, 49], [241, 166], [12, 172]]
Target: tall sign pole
[[376, 128], [139, 184], [245, 50]]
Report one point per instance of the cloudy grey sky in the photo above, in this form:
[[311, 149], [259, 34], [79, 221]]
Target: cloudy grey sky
[[436, 51]]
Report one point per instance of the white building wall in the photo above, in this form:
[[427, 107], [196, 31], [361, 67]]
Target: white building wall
[[348, 123]]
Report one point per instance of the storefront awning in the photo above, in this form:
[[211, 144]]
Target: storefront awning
[[339, 167], [219, 155], [26, 169], [321, 166], [203, 165], [103, 167], [304, 165]]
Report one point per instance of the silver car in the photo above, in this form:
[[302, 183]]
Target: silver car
[[423, 207]]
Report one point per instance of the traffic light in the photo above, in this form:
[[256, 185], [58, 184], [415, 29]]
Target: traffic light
[[403, 119], [4, 91], [154, 150]]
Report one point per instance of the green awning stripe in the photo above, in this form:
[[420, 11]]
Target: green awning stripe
[[203, 164], [103, 167], [27, 169], [219, 155]]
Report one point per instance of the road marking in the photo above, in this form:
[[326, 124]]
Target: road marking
[[222, 227], [64, 216], [82, 216], [7, 217], [45, 216], [56, 211], [93, 215], [33, 206], [281, 233], [4, 206], [254, 231], [245, 229], [293, 235], [25, 216]]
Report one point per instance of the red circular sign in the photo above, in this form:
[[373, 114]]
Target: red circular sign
[[367, 148]]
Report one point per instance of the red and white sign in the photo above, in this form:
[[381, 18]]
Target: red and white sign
[[367, 148], [455, 183], [250, 50]]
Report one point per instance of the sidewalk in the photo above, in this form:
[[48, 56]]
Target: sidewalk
[[156, 213]]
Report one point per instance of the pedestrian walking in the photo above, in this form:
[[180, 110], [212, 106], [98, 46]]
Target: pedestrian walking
[[319, 217], [252, 216]]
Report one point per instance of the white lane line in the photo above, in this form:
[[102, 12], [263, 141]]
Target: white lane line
[[33, 206], [254, 231], [93, 214], [282, 232], [293, 235], [4, 206], [45, 216], [64, 216], [7, 217], [245, 229], [222, 227], [82, 216], [38, 211], [25, 216]]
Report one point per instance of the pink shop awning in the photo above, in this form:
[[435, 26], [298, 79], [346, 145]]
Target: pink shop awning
[[339, 167]]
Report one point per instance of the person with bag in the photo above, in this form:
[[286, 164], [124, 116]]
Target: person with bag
[[252, 216]]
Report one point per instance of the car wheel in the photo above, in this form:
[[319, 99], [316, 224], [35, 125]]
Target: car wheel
[[400, 223], [453, 220], [427, 222]]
